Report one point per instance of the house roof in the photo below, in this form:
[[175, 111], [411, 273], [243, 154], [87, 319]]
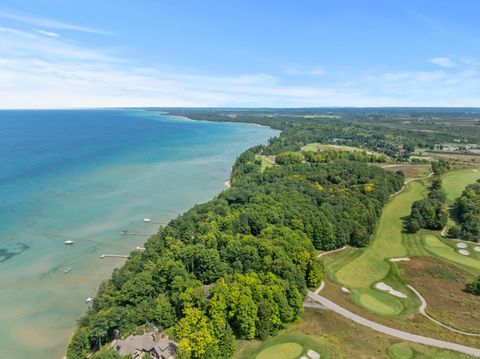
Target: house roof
[[146, 343]]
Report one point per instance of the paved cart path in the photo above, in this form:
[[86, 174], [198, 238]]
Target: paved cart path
[[393, 332]]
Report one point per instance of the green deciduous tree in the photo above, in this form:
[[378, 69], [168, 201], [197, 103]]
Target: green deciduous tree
[[194, 334]]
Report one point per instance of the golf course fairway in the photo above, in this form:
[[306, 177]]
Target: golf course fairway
[[439, 249], [454, 182], [282, 351], [372, 266]]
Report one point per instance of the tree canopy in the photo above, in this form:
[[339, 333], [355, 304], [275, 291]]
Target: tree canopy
[[240, 264]]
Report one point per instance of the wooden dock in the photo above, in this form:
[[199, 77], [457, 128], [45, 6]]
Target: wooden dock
[[114, 256], [135, 234]]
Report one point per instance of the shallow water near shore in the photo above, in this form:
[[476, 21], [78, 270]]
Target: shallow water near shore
[[86, 175]]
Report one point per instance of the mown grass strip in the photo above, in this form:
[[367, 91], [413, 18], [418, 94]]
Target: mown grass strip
[[455, 182], [445, 252], [387, 242]]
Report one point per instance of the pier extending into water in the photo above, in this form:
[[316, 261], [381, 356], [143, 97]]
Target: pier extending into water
[[127, 233], [114, 256]]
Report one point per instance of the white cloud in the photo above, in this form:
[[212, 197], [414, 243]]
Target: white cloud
[[41, 71], [16, 32], [48, 23], [442, 61], [47, 33]]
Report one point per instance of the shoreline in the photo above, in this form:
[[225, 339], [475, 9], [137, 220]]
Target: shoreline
[[227, 184]]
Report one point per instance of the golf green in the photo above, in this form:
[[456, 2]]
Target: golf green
[[282, 351], [378, 302], [400, 351]]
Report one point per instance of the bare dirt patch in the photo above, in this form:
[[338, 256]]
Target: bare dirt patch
[[442, 286]]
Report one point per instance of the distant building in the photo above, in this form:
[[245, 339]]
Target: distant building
[[157, 345]]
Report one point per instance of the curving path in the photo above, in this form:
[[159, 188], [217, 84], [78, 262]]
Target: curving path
[[425, 314], [391, 331], [332, 251], [410, 180]]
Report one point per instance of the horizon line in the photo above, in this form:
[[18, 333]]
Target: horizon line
[[232, 108]]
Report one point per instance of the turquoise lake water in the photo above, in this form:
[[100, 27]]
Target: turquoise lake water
[[86, 175]]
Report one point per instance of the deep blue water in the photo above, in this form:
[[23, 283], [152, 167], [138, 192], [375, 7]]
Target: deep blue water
[[85, 175]]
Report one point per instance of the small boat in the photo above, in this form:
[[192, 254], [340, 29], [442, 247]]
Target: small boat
[[139, 248], [68, 242], [88, 299], [147, 220], [124, 231], [67, 270]]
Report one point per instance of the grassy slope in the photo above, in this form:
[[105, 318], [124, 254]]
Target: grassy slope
[[455, 182], [445, 252], [266, 162], [410, 171], [320, 147], [447, 302], [371, 265], [360, 269], [289, 350], [336, 337]]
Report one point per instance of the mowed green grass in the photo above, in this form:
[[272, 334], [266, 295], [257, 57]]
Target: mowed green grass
[[439, 249], [282, 351], [372, 266], [314, 147], [454, 182], [291, 344], [320, 147], [400, 351], [378, 302]]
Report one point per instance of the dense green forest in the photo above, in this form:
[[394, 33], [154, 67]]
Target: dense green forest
[[384, 130], [431, 212], [468, 212], [239, 266]]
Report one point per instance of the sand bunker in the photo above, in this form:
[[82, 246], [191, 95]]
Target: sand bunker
[[345, 290], [464, 252], [402, 259], [386, 288], [462, 245], [476, 249]]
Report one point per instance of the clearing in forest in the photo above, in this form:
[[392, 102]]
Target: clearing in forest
[[410, 171], [322, 147]]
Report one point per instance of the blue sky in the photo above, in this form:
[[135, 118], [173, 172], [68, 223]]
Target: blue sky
[[56, 54]]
